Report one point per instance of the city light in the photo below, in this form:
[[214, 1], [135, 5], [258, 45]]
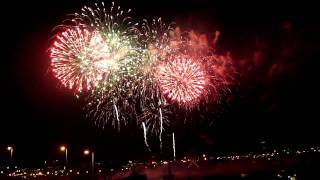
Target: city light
[[86, 152], [63, 148]]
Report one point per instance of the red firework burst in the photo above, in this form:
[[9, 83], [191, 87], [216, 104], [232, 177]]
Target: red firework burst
[[182, 80]]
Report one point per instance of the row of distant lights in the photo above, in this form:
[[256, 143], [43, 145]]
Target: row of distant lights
[[266, 155], [251, 155], [38, 173], [185, 160], [18, 172], [283, 175]]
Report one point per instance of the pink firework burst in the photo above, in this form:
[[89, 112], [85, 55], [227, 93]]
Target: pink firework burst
[[80, 59], [182, 80]]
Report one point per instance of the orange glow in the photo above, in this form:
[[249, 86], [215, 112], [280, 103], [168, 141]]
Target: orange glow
[[63, 148], [9, 148], [86, 152]]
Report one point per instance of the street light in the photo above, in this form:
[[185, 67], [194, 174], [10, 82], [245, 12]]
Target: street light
[[10, 148], [87, 152], [64, 149]]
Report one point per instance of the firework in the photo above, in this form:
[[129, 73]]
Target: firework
[[161, 127], [174, 146], [182, 80], [190, 74], [104, 57], [154, 110], [80, 58], [145, 72], [145, 135]]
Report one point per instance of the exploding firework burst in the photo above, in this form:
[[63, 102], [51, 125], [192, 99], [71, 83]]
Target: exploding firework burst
[[182, 80], [114, 101], [145, 72], [194, 74], [98, 51], [106, 44], [154, 110], [80, 59]]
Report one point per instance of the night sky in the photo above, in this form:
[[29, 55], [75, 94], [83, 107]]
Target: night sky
[[275, 48]]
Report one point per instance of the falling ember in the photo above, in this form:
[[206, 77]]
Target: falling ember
[[182, 80], [117, 116], [161, 128], [145, 136], [174, 146]]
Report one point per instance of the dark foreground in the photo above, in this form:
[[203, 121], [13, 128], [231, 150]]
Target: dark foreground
[[296, 167]]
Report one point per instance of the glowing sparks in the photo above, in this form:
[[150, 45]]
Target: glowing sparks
[[77, 56], [145, 135], [174, 146], [82, 59], [143, 71], [161, 128], [182, 79], [117, 116]]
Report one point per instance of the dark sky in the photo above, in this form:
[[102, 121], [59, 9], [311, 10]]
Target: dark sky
[[274, 46]]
